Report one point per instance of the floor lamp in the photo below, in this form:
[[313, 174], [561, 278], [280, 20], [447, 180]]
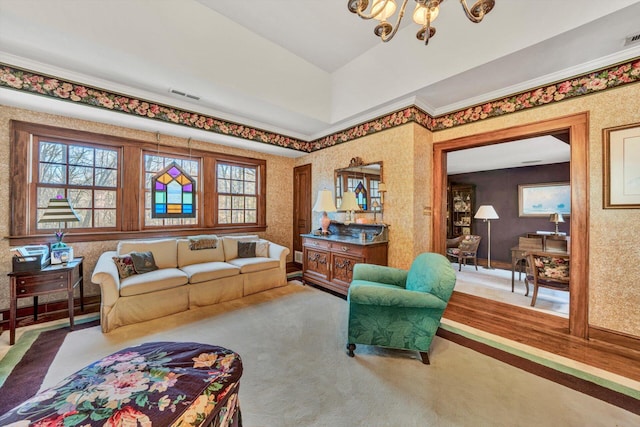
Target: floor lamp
[[487, 213]]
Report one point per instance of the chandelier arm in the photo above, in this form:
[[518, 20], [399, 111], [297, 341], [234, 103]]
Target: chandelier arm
[[361, 14], [387, 37], [470, 15]]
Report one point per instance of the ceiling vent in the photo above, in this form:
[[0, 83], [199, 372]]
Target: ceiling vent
[[634, 39], [186, 95]]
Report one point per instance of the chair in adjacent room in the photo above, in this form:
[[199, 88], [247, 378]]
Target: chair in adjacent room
[[548, 270], [525, 244], [467, 249], [401, 309]]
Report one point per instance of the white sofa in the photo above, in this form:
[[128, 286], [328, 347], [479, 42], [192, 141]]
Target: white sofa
[[184, 279]]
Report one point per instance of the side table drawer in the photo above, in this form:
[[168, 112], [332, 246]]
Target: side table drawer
[[26, 285]]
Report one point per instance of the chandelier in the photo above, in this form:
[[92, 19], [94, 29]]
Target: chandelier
[[425, 13]]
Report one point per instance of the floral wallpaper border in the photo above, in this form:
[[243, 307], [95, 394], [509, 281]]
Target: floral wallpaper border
[[606, 78]]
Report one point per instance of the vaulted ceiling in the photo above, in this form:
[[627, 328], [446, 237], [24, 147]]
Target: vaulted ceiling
[[305, 69]]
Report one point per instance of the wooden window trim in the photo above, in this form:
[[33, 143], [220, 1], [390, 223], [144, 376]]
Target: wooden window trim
[[131, 204]]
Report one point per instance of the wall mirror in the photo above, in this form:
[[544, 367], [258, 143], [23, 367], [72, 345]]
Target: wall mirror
[[364, 180]]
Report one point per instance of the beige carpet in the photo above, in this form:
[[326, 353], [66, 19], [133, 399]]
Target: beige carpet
[[495, 284], [292, 342]]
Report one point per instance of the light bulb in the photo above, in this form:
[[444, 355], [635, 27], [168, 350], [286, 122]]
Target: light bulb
[[381, 10], [421, 12]]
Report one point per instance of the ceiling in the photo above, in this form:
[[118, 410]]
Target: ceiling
[[307, 68]]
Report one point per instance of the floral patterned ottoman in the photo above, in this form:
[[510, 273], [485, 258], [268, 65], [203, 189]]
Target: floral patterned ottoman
[[153, 384]]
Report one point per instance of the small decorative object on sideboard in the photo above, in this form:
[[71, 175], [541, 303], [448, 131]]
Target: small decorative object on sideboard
[[61, 255]]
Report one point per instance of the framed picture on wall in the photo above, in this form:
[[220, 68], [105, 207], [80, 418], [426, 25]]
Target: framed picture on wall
[[621, 162], [542, 200]]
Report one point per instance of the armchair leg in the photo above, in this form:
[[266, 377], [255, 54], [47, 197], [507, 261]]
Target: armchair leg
[[425, 357], [350, 348]]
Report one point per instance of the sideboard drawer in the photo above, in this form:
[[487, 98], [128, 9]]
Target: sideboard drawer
[[347, 248], [26, 285], [316, 243]]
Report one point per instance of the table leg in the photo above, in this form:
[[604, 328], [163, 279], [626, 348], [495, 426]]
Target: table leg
[[513, 271], [12, 313], [70, 297]]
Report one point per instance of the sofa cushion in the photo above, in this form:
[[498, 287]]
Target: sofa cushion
[[186, 256], [164, 250], [125, 266], [249, 265], [230, 244], [210, 271], [197, 243], [153, 281], [246, 249], [143, 262]]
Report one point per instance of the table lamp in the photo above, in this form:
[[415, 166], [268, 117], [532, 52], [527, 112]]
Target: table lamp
[[556, 217], [60, 211], [350, 205], [324, 204]]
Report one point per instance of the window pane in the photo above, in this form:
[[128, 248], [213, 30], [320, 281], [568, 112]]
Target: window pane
[[251, 202], [51, 152], [224, 202], [250, 174], [224, 216], [80, 175], [251, 216], [80, 155], [237, 172], [106, 178], [106, 159], [105, 217], [249, 188], [81, 198], [53, 174], [86, 219], [237, 217], [224, 186], [237, 187], [105, 199], [224, 171], [237, 203]]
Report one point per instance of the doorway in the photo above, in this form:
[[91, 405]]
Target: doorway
[[577, 128]]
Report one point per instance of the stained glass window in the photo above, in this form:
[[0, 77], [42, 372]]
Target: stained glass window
[[361, 196], [173, 193]]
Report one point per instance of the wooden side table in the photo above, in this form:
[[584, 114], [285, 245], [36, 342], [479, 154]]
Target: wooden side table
[[51, 279]]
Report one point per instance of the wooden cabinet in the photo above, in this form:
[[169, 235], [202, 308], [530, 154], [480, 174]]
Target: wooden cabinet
[[329, 263], [460, 209]]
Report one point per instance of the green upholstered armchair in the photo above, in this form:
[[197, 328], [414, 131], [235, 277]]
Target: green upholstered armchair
[[390, 307]]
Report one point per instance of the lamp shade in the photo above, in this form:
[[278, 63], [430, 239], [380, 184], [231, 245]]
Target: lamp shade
[[486, 212], [556, 217], [324, 202], [349, 202], [382, 187], [59, 210]]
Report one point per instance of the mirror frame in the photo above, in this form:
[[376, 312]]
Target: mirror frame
[[355, 165]]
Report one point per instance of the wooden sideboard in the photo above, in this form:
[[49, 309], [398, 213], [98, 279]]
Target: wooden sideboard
[[328, 260]]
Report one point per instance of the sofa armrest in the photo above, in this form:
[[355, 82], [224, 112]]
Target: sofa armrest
[[392, 296], [106, 275], [380, 274], [279, 252]]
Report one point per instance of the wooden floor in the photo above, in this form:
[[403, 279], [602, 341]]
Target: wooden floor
[[543, 331]]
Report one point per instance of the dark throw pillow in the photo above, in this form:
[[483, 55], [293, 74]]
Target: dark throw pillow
[[143, 262], [125, 266], [246, 249]]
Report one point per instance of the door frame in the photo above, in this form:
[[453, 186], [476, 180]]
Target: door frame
[[577, 126]]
